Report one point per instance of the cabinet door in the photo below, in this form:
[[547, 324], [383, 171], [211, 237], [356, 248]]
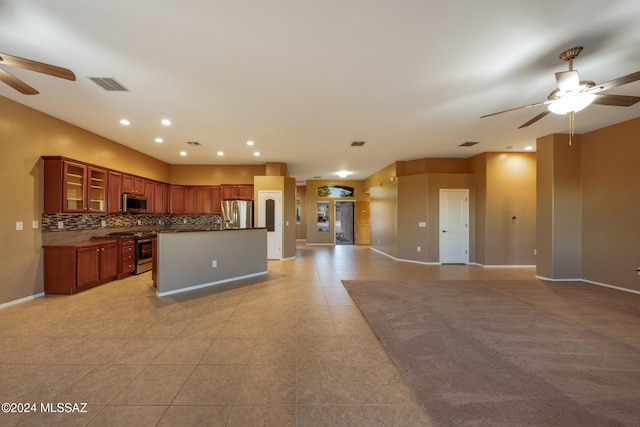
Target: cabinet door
[[149, 193], [216, 201], [97, 190], [189, 200], [229, 192], [108, 261], [158, 198], [115, 192], [245, 192], [75, 183], [87, 265], [128, 184], [177, 199], [203, 200]]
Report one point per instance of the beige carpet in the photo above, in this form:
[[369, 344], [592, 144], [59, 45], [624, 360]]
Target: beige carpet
[[511, 353]]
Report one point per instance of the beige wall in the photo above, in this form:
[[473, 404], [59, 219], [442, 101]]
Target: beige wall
[[510, 192], [215, 174], [383, 195], [610, 178], [559, 228]]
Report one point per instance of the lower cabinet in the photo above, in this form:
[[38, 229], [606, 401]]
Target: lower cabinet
[[126, 261], [75, 267]]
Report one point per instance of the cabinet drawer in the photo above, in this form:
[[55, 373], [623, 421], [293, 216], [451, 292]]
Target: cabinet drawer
[[127, 266], [127, 241], [127, 249], [128, 256]]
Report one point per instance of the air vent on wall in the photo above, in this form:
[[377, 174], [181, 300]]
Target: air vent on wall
[[194, 143], [358, 143], [109, 83], [468, 144]]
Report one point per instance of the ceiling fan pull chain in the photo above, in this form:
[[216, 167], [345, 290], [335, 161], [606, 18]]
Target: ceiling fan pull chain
[[570, 127]]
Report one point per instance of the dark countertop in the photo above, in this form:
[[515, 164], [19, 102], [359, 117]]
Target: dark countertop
[[185, 230]]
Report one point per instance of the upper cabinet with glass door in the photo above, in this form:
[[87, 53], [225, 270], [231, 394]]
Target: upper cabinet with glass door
[[72, 187]]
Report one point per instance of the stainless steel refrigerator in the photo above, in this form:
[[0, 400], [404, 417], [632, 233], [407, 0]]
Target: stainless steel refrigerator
[[237, 213]]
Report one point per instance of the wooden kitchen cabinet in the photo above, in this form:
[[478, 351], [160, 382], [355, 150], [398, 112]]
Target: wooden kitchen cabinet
[[75, 267], [160, 198], [237, 192], [74, 187], [126, 257], [115, 192], [132, 184], [202, 200], [216, 201], [149, 191], [177, 200]]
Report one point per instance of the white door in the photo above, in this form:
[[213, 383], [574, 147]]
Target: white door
[[454, 226], [270, 216]]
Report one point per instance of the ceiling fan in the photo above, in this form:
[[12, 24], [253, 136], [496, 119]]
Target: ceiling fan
[[573, 94], [28, 64]]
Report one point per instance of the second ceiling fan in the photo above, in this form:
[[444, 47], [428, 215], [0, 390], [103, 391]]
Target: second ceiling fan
[[573, 94]]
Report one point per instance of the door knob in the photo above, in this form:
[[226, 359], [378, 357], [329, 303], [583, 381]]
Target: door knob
[[444, 231]]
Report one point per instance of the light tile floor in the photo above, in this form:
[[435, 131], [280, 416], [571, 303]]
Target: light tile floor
[[289, 348]]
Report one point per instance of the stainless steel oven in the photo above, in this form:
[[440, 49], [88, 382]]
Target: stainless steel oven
[[144, 255]]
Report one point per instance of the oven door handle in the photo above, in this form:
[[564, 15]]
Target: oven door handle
[[144, 240]]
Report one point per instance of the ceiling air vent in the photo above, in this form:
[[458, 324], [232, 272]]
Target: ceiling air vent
[[109, 83], [358, 143], [468, 144]]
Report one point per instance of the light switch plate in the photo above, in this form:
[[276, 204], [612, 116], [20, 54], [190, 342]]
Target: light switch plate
[[422, 224], [34, 224], [19, 226]]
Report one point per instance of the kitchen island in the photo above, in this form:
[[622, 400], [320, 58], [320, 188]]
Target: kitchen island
[[186, 260]]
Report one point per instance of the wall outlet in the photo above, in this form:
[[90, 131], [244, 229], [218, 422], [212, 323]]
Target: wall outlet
[[139, 222], [184, 220], [104, 223], [214, 263], [60, 225], [535, 252], [419, 249], [34, 224]]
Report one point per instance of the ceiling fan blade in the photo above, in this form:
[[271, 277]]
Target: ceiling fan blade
[[616, 100], [515, 109], [39, 67], [535, 119], [568, 81], [16, 83], [630, 78]]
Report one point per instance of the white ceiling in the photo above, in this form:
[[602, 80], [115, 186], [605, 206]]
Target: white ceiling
[[303, 79]]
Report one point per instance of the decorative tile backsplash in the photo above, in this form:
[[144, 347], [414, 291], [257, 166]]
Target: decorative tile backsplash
[[79, 222]]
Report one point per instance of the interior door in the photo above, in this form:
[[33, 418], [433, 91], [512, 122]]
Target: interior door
[[454, 226], [363, 227], [270, 216]]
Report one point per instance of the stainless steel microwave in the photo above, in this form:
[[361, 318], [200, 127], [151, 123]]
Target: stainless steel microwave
[[134, 203]]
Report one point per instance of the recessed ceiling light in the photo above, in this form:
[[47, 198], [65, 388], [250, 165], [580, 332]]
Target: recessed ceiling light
[[257, 153], [159, 140], [528, 147], [183, 153], [220, 153], [343, 174], [249, 142], [166, 122], [125, 122]]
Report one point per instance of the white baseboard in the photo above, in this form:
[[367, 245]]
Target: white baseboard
[[21, 300], [206, 285]]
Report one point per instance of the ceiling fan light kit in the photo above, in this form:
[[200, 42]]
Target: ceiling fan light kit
[[573, 94]]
